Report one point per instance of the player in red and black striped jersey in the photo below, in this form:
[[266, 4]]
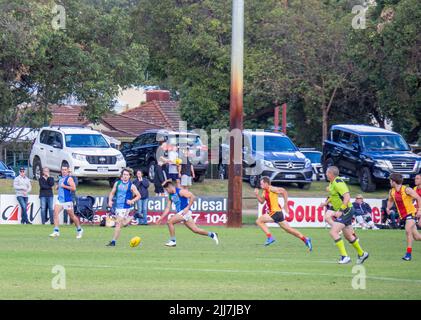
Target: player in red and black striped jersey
[[418, 191], [418, 184], [403, 197]]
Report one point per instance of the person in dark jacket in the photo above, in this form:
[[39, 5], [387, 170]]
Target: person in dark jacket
[[142, 185], [159, 178], [46, 196]]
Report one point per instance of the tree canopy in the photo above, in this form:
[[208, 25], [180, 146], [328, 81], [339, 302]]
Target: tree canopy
[[89, 60], [302, 52]]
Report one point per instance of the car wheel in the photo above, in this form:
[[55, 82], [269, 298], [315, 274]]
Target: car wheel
[[328, 163], [304, 186], [151, 170], [37, 169], [253, 181], [222, 172], [366, 180]]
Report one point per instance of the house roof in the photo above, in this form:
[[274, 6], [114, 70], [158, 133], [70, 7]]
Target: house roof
[[67, 114], [164, 114], [129, 124]]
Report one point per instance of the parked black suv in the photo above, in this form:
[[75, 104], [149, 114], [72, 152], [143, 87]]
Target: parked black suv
[[141, 153], [369, 154]]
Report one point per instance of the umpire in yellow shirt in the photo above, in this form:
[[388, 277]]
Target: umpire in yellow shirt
[[340, 200]]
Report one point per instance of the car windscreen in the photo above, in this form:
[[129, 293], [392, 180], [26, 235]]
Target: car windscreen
[[86, 141], [3, 166], [314, 157], [189, 140], [385, 143], [272, 144]]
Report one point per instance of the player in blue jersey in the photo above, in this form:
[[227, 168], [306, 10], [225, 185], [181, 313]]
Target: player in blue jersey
[[66, 185], [183, 200], [122, 198]]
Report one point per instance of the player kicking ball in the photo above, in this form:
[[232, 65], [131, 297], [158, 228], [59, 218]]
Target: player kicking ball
[[183, 200], [275, 213], [66, 185], [340, 199], [126, 195], [404, 197]]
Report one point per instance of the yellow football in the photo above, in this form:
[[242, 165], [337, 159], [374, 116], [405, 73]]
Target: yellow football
[[135, 241], [178, 161]]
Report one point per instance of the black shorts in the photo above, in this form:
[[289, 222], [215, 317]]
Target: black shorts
[[408, 217], [278, 216], [173, 176], [346, 217]]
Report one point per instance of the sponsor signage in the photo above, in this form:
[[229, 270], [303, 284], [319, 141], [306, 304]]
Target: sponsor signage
[[206, 210], [305, 212]]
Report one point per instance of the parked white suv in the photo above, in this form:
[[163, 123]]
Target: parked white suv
[[85, 150]]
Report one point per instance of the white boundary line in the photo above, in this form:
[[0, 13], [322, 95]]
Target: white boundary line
[[293, 273]]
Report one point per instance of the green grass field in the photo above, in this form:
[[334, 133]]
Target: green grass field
[[239, 268]]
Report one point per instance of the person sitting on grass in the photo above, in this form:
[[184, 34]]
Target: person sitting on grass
[[363, 213]]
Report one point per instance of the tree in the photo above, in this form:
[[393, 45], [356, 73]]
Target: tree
[[90, 60], [388, 64], [305, 53]]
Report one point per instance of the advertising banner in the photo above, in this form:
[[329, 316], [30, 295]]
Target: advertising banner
[[305, 212], [207, 211]]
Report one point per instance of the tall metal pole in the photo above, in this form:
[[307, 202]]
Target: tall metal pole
[[235, 194], [276, 118], [284, 118]]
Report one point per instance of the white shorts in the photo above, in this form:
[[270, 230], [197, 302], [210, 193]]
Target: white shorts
[[65, 205], [186, 216], [186, 180], [123, 213]]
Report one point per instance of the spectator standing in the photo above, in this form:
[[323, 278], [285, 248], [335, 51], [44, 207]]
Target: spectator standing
[[363, 213], [186, 172], [142, 185], [22, 186], [46, 196], [159, 177], [172, 165]]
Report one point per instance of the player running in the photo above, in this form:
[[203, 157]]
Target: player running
[[403, 197], [183, 200], [340, 200], [66, 185], [417, 187], [275, 214], [126, 195]]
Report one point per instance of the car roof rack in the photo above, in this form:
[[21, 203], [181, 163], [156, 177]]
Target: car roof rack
[[71, 126]]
